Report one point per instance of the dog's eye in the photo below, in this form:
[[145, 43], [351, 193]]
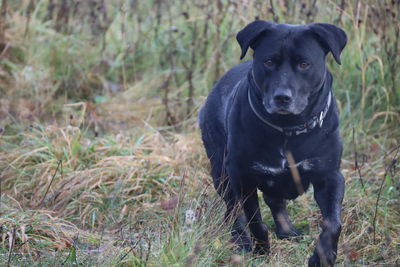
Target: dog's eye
[[303, 65], [269, 63]]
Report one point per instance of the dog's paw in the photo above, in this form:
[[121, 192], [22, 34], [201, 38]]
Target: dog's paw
[[313, 261], [242, 242], [327, 261], [292, 233], [261, 249]]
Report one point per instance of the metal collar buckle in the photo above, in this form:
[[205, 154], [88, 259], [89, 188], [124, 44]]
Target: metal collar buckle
[[321, 119]]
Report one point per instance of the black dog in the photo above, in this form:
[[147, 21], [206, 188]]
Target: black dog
[[271, 123]]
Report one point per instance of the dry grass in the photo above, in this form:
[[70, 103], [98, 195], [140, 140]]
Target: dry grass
[[142, 168], [121, 193]]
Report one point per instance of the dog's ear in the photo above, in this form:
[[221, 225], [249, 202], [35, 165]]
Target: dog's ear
[[250, 33], [331, 37]]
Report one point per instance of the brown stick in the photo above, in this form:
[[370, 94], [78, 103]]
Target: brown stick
[[31, 7], [3, 21], [388, 169], [12, 246], [51, 181], [356, 165]]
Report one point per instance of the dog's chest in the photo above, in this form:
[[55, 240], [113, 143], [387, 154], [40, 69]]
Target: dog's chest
[[275, 169], [278, 157], [283, 167], [280, 178]]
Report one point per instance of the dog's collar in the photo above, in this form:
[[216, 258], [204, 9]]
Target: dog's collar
[[317, 120]]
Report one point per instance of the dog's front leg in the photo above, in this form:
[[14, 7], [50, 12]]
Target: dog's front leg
[[249, 200], [284, 227], [328, 193]]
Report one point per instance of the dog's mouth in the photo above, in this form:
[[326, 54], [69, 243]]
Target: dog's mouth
[[280, 110], [286, 110], [283, 112]]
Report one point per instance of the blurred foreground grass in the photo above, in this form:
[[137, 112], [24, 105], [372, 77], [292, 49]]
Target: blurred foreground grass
[[100, 157]]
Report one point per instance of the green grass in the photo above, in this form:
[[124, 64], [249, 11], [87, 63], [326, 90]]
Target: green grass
[[100, 154]]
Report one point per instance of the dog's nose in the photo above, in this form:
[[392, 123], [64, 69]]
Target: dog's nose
[[283, 96]]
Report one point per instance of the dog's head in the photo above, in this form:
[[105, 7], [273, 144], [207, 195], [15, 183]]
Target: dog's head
[[289, 61]]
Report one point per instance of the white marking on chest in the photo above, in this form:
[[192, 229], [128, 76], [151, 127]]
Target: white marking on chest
[[305, 165], [258, 166]]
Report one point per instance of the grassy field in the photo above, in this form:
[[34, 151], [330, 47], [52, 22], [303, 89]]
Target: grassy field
[[101, 163]]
